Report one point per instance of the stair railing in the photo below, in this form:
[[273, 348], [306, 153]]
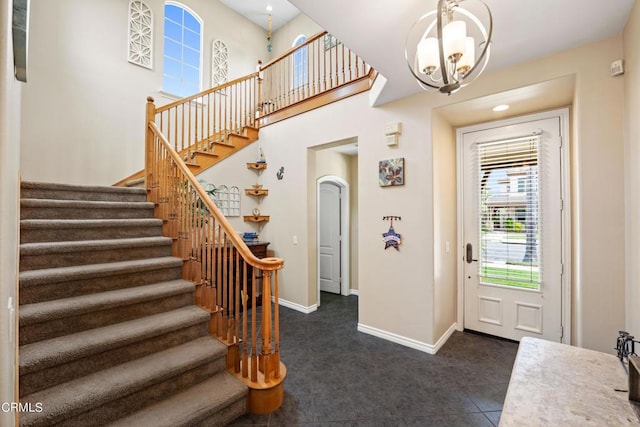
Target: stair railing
[[319, 65], [230, 280], [197, 122]]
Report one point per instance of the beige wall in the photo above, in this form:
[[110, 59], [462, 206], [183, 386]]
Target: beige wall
[[232, 171], [632, 167], [399, 291], [395, 290], [81, 122], [284, 37], [9, 211], [444, 224]]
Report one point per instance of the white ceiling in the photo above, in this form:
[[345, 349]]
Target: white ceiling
[[523, 30], [256, 11]]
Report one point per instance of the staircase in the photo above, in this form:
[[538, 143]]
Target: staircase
[[203, 155], [109, 332]]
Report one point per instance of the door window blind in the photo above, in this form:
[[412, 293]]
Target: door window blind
[[509, 211]]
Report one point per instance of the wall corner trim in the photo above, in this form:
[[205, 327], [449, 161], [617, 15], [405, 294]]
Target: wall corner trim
[[408, 342]]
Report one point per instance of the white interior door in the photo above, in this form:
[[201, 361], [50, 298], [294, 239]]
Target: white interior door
[[329, 237], [512, 219]]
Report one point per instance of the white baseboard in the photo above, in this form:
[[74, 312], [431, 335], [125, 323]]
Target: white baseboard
[[408, 342], [443, 339], [354, 292], [297, 307]]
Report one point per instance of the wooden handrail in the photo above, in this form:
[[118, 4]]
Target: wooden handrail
[[293, 49], [269, 264], [205, 92]]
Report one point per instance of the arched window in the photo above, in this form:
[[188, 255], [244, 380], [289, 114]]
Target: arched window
[[300, 62], [182, 59]]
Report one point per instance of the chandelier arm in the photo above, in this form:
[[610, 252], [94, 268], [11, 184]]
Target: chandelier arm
[[420, 81], [487, 35], [411, 66], [443, 66]]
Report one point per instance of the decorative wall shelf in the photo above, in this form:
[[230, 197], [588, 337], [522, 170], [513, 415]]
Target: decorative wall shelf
[[256, 166], [259, 218], [256, 192]]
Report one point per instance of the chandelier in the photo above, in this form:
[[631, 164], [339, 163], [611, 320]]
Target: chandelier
[[449, 47]]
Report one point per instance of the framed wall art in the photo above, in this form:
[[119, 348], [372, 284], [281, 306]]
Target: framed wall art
[[391, 172]]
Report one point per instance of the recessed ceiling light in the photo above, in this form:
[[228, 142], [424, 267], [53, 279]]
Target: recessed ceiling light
[[269, 8], [501, 107]]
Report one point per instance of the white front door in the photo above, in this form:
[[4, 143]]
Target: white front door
[[329, 237], [512, 219]]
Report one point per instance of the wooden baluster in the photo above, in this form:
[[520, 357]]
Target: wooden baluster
[[316, 62], [219, 282], [245, 297], [182, 123], [276, 327], [175, 129], [310, 68], [149, 141], [212, 264], [324, 64], [237, 97], [254, 355], [225, 286], [236, 311], [231, 326], [266, 325], [342, 64]]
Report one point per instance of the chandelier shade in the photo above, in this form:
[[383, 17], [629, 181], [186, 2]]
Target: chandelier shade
[[449, 47]]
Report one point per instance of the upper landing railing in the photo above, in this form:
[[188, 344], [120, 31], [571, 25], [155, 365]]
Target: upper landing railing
[[316, 70]]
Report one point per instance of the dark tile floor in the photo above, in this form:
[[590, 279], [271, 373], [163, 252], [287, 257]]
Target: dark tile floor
[[338, 376]]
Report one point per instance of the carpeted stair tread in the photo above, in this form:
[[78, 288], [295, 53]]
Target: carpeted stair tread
[[82, 204], [78, 192], [78, 272], [40, 248], [34, 224], [34, 256], [84, 209], [52, 230], [191, 406], [68, 307], [56, 351], [92, 391]]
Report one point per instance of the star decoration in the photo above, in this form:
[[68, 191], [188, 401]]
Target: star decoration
[[391, 238]]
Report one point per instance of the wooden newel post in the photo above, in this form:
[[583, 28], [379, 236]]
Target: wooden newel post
[[150, 117]]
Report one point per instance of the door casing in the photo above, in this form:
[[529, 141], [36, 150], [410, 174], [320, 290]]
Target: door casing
[[563, 114]]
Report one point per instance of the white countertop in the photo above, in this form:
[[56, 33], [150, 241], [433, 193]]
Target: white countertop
[[560, 385]]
